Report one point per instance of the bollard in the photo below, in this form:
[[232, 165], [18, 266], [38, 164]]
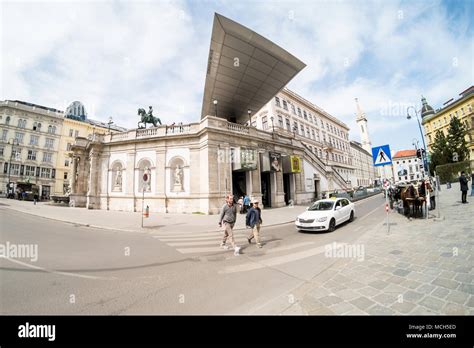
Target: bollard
[[147, 212]]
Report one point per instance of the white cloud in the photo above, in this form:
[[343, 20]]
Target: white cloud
[[119, 56]]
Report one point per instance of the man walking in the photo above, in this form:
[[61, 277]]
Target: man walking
[[254, 220], [227, 217], [464, 188]]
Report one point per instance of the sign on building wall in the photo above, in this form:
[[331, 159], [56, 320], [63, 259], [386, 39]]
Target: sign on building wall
[[248, 159], [275, 162], [295, 164]]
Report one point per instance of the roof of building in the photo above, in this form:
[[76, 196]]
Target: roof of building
[[359, 147], [467, 93], [35, 105], [245, 70], [426, 109], [405, 153]]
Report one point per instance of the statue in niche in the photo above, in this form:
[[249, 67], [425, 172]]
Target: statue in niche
[[118, 180], [178, 178]]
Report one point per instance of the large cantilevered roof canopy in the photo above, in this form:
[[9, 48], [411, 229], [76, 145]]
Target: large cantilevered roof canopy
[[245, 70]]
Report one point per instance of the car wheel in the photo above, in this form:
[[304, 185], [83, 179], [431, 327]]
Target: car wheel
[[352, 216], [332, 225]]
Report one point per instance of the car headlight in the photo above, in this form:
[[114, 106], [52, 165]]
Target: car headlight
[[322, 219]]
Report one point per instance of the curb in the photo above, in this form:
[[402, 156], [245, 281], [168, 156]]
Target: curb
[[141, 230]]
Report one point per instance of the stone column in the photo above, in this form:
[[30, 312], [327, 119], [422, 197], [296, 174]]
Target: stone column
[[92, 198], [280, 194]]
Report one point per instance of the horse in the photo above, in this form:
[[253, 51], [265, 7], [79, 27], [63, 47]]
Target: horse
[[146, 118], [409, 197]]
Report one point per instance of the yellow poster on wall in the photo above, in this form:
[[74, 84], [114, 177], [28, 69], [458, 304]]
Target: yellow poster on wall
[[295, 164]]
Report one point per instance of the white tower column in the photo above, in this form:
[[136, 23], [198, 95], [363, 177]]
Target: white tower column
[[364, 133]]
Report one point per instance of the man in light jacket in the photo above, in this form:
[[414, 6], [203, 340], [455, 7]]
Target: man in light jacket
[[227, 218]]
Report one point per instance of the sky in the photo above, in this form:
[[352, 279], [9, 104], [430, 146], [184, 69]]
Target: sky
[[118, 56]]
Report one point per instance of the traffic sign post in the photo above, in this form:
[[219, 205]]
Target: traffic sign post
[[381, 156]]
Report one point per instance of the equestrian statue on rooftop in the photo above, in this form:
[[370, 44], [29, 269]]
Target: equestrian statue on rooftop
[[147, 118]]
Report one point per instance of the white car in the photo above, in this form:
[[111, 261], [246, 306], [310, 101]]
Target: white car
[[326, 214]]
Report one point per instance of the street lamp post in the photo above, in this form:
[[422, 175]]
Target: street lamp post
[[215, 105], [425, 160], [10, 164]]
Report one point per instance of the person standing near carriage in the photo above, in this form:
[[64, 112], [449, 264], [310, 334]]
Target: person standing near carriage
[[464, 187]]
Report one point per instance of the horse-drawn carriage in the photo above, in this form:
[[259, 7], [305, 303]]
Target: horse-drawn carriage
[[412, 197]]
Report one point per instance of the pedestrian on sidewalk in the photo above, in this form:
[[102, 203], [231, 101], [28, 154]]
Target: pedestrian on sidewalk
[[240, 202], [246, 203], [227, 218], [463, 181], [254, 220], [35, 198], [472, 184]]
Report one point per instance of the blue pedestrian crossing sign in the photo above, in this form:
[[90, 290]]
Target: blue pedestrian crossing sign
[[381, 155]]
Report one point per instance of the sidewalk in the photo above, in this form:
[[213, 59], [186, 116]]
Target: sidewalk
[[131, 222], [421, 267]]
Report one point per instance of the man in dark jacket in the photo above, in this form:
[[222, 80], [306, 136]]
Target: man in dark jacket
[[464, 188], [253, 220]]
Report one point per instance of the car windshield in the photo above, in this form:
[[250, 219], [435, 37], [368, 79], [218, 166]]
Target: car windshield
[[322, 205]]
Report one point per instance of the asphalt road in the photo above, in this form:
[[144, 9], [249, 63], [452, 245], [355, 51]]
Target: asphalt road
[[83, 270]]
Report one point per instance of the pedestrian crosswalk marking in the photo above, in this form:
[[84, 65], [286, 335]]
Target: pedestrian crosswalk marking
[[200, 250], [210, 242], [274, 261]]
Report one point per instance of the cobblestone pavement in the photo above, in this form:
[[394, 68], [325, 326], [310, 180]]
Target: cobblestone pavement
[[421, 267]]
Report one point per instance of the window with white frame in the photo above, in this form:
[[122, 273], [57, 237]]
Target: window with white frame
[[29, 170], [302, 130], [47, 157], [299, 112], [34, 139], [76, 133], [4, 134], [293, 109], [277, 101], [45, 173], [264, 122], [305, 115], [14, 169], [71, 132], [32, 155], [288, 126], [16, 154], [49, 143], [280, 120], [7, 120], [68, 147], [313, 134], [285, 105], [21, 123], [66, 162], [2, 149], [19, 137]]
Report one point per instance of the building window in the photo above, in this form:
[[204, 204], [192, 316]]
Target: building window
[[16, 154], [66, 163], [32, 155], [34, 139], [285, 105], [288, 126], [4, 134], [295, 127], [277, 101], [19, 137], [45, 173], [293, 109], [68, 147], [312, 133], [49, 143], [305, 115], [21, 123], [302, 130], [52, 129], [29, 170], [299, 112], [2, 149], [71, 132], [14, 169], [47, 157], [307, 132], [280, 121], [65, 175], [265, 122], [310, 117], [76, 133], [462, 110], [7, 120]]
